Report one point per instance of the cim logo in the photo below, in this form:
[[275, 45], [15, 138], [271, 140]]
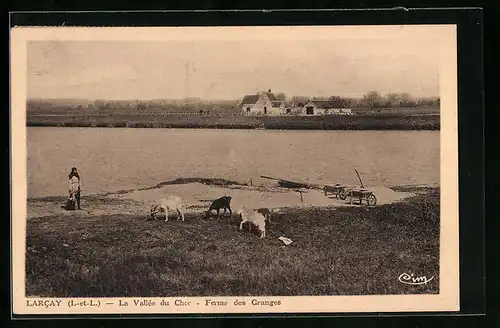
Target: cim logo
[[411, 279]]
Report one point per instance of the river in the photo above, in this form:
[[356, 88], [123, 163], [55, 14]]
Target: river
[[112, 159]]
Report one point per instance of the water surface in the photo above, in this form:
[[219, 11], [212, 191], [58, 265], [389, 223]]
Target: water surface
[[112, 159]]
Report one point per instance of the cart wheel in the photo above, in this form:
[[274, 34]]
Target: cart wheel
[[349, 197], [371, 200], [342, 195]]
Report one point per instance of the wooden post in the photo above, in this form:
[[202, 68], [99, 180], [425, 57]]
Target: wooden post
[[301, 197], [251, 183], [359, 177]]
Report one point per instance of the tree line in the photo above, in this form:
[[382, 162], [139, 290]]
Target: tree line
[[117, 106], [373, 99]]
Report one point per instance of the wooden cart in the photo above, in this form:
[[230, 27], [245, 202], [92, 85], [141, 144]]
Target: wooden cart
[[338, 190], [347, 192], [362, 195]]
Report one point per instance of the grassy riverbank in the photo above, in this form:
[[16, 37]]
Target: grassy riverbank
[[336, 251], [330, 122]]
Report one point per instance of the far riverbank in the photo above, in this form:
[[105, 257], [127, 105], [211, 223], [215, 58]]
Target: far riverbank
[[328, 122]]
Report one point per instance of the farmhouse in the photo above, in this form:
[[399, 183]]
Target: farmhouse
[[262, 103], [323, 107]]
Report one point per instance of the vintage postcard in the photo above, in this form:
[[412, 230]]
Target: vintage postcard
[[210, 170]]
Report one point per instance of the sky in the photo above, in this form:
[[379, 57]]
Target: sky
[[229, 69]]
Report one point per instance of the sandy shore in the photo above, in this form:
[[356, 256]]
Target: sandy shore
[[198, 196]]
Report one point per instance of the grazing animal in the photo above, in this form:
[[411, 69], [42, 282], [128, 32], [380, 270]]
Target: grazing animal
[[172, 203], [220, 203], [266, 213], [255, 218]]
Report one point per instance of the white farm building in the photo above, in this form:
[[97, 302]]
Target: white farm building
[[323, 107], [262, 103], [266, 103]]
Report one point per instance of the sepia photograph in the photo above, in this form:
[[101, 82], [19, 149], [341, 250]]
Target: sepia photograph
[[235, 169]]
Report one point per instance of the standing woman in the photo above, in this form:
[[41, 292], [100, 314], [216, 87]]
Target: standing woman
[[74, 186]]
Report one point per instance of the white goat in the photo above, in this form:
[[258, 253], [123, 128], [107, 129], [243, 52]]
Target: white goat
[[172, 203], [255, 218]]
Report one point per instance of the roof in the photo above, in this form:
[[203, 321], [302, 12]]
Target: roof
[[250, 99], [324, 103], [271, 96], [276, 103]]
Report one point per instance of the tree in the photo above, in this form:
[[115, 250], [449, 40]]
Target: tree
[[341, 102], [281, 96], [428, 101], [335, 99], [372, 100], [391, 100], [141, 106], [298, 100], [407, 100]]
